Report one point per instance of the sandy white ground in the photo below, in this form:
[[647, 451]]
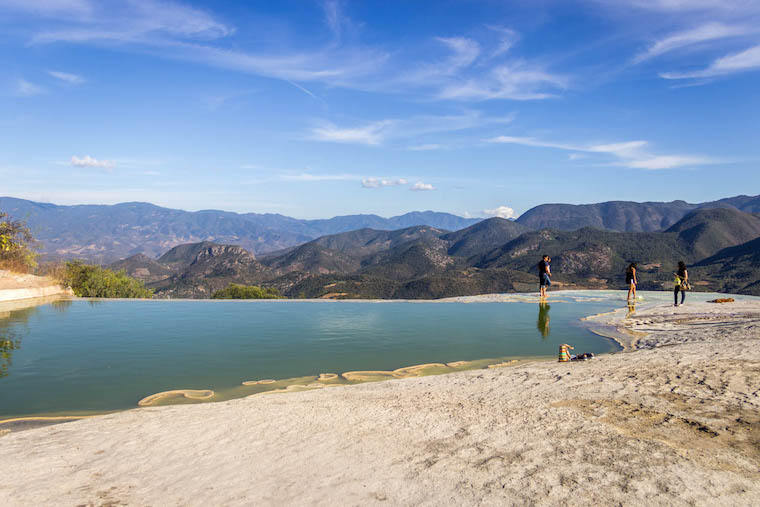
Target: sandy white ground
[[676, 421], [15, 287]]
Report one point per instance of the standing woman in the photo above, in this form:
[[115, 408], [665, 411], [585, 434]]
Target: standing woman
[[630, 280], [681, 283]]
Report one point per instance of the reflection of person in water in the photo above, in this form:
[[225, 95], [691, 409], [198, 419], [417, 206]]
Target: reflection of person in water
[[631, 309], [543, 319]]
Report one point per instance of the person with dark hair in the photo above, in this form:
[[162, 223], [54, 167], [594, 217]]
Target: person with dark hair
[[630, 280], [681, 283], [544, 274]]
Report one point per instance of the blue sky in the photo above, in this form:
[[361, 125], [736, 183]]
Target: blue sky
[[321, 108]]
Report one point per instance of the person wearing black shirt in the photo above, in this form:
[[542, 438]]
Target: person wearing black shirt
[[544, 274]]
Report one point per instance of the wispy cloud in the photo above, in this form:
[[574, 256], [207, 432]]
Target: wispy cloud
[[88, 161], [515, 81], [470, 73], [143, 21], [507, 39], [26, 88], [378, 132], [421, 187], [427, 147], [371, 134], [307, 175], [465, 69], [66, 77], [700, 34], [500, 211], [744, 61], [685, 5], [629, 154], [380, 183]]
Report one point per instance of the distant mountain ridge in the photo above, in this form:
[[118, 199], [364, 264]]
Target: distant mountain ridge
[[625, 216], [494, 255], [105, 233]]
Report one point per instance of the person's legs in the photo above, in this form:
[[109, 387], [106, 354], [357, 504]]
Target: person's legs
[[675, 295], [634, 290], [630, 290], [683, 295]]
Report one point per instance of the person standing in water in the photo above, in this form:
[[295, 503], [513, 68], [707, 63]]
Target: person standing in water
[[544, 274], [630, 280], [681, 283]]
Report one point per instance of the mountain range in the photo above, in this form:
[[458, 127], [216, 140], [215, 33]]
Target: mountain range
[[105, 233], [625, 216], [494, 255], [417, 255]]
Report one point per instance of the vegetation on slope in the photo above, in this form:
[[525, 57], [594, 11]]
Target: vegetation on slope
[[97, 282], [235, 291], [17, 245]]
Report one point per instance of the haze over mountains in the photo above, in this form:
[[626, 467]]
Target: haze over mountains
[[105, 233], [718, 239], [494, 255]]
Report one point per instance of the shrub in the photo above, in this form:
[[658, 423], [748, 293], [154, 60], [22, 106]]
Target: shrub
[[17, 245], [96, 282], [235, 291]]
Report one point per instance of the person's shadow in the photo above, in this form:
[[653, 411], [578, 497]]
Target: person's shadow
[[543, 319]]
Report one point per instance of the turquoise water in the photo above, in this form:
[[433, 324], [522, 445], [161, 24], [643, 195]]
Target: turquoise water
[[90, 356]]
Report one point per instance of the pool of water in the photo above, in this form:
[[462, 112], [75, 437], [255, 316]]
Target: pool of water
[[79, 356]]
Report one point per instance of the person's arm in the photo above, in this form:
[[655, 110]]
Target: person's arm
[[685, 276], [635, 282]]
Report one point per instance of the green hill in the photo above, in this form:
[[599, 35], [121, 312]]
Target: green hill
[[483, 236]]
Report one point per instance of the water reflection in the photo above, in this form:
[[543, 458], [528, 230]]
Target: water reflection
[[543, 319], [631, 309], [14, 326]]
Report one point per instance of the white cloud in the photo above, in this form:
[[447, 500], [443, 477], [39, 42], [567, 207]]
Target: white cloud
[[469, 70], [378, 132], [426, 147], [744, 61], [704, 33], [517, 81], [467, 214], [371, 134], [464, 52], [686, 5], [668, 162], [379, 183], [501, 212], [507, 39], [173, 30], [66, 77], [421, 187], [138, 22], [88, 161], [470, 73], [629, 154], [25, 88]]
